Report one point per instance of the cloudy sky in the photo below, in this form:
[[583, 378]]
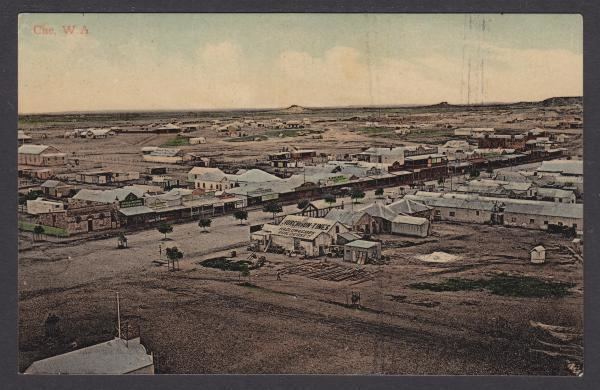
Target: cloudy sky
[[212, 61]]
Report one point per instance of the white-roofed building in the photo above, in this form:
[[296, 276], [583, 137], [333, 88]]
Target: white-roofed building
[[561, 167], [23, 138], [41, 155], [410, 226], [114, 357], [41, 206], [211, 179], [362, 251], [309, 236]]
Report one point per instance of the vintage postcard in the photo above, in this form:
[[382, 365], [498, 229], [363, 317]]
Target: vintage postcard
[[396, 194]]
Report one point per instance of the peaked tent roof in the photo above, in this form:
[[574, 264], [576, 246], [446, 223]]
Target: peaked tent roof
[[408, 206], [379, 210]]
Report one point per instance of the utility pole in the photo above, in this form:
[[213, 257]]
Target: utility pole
[[118, 316]]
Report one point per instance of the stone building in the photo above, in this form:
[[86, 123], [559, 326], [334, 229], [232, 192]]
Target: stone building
[[82, 216]]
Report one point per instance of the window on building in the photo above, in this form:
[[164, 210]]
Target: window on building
[[477, 212], [513, 219], [532, 220], [452, 213], [545, 222], [337, 229]]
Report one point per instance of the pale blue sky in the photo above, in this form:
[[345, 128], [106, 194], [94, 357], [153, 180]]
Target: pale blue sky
[[186, 61]]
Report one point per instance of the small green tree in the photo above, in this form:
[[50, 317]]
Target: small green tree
[[379, 192], [272, 207], [245, 271], [489, 170], [241, 215], [165, 228], [302, 204], [204, 223], [474, 173], [329, 198], [174, 254], [38, 230], [356, 194]]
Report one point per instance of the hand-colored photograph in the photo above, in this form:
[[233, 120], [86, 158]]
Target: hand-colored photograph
[[372, 194]]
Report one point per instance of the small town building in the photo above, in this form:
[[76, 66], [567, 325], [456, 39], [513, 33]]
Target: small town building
[[379, 155], [41, 206], [309, 236], [540, 215], [56, 189], [164, 156], [358, 221], [23, 138], [167, 128], [320, 208], [82, 216], [99, 133], [538, 255], [362, 252], [197, 140], [114, 357], [346, 237], [411, 207], [560, 167], [41, 155], [303, 154], [106, 177], [555, 195], [410, 226], [212, 180], [381, 217]]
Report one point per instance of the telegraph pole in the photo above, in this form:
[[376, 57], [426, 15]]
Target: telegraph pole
[[118, 316]]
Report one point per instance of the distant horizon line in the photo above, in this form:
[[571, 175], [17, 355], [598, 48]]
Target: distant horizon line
[[386, 106]]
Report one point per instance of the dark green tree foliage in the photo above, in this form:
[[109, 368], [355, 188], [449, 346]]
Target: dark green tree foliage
[[241, 215], [165, 228]]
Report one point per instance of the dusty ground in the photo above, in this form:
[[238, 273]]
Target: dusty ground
[[202, 320], [343, 131]]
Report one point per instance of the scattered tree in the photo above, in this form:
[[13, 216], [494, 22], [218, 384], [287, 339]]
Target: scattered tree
[[174, 254], [356, 194], [165, 228], [379, 192], [273, 207], [489, 170], [242, 215], [245, 271], [38, 230], [329, 198], [204, 223], [302, 204]]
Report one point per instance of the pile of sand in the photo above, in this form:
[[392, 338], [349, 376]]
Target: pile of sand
[[438, 257]]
